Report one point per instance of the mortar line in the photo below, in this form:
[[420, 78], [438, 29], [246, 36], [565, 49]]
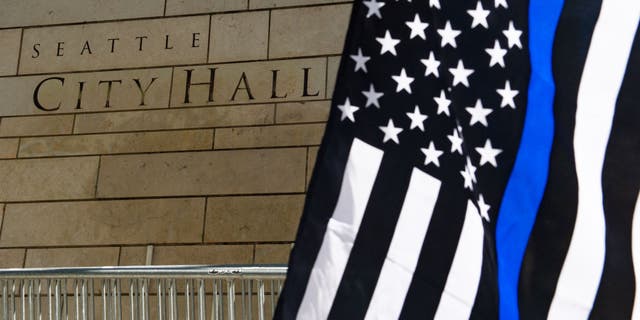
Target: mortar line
[[20, 51], [62, 24], [204, 218]]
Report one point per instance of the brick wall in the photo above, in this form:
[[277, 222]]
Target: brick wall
[[114, 152]]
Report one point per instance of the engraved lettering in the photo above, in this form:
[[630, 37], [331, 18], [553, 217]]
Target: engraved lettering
[[36, 51], [86, 47], [36, 94], [141, 38], [166, 43], [113, 43], [195, 42], [80, 89], [60, 51], [305, 85], [274, 82], [143, 92], [243, 79], [109, 85], [211, 83]]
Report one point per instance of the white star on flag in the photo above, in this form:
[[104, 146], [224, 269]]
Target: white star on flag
[[456, 142], [417, 27], [388, 44], [507, 95], [390, 132], [373, 97], [483, 207], [488, 154], [434, 4], [431, 65], [347, 111], [431, 155], [417, 119], [513, 36], [360, 60], [373, 8], [497, 54], [448, 35], [478, 114], [403, 81], [443, 103], [460, 74], [479, 15], [501, 3]]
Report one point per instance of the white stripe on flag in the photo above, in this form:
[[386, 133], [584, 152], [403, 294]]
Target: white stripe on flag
[[404, 251], [359, 176], [462, 283], [635, 253], [601, 80]]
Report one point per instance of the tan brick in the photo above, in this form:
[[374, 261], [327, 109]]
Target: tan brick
[[273, 253], [8, 148], [177, 7], [233, 82], [203, 254], [72, 257], [296, 112], [36, 126], [11, 258], [262, 218], [35, 12], [311, 161], [259, 4], [116, 143], [48, 179], [9, 51], [203, 173], [239, 36], [59, 93], [333, 65], [133, 256], [103, 222], [175, 119], [86, 47], [269, 136], [318, 31]]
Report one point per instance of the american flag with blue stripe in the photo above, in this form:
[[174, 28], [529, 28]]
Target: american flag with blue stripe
[[481, 160]]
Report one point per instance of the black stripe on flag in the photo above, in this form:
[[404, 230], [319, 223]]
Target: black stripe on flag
[[621, 183], [436, 255], [551, 234], [373, 240]]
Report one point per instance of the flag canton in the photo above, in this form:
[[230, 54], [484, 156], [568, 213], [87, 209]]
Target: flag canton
[[440, 83]]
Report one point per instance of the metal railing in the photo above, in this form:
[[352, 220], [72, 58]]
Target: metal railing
[[145, 293]]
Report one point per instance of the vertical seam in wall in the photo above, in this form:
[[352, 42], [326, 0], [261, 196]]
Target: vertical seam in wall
[[164, 11], [24, 258], [209, 39], [95, 191], [204, 218], [253, 258], [73, 125], [275, 113], [19, 51], [248, 4], [326, 78], [213, 140], [4, 209], [119, 255], [170, 87], [306, 170], [18, 148], [269, 37]]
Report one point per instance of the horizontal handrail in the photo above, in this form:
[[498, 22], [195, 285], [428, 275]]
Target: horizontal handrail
[[192, 271]]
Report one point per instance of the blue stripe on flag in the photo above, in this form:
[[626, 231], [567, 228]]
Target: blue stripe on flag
[[529, 176]]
